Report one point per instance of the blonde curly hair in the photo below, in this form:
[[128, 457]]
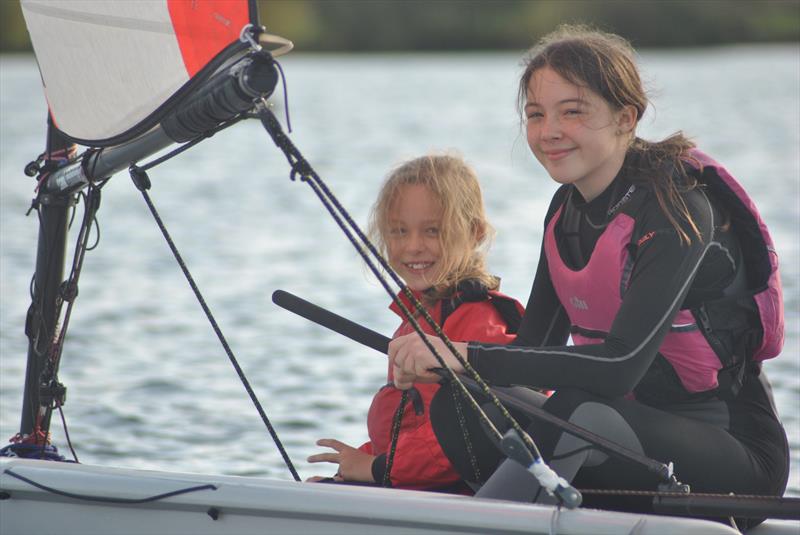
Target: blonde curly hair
[[465, 233]]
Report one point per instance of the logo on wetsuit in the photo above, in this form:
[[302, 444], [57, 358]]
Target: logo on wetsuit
[[645, 238], [578, 303], [625, 198]]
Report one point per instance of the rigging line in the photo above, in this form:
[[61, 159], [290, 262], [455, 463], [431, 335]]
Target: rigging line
[[285, 95], [396, 420], [66, 432], [445, 370], [40, 334], [424, 313], [301, 167], [380, 343], [142, 183], [406, 314], [462, 423], [688, 495], [516, 443], [67, 292]]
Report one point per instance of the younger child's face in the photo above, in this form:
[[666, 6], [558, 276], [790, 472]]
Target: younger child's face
[[415, 219]]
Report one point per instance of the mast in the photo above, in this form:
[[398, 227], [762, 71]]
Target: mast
[[213, 69], [41, 324]]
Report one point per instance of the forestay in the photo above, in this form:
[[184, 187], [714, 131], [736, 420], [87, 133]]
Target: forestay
[[111, 69]]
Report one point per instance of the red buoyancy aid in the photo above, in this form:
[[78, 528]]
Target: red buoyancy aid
[[592, 295], [493, 327], [486, 319]]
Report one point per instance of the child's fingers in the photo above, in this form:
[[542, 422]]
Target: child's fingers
[[331, 443], [324, 458]]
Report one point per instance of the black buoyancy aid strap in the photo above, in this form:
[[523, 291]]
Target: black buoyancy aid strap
[[471, 290], [508, 311], [755, 253], [570, 233], [736, 353], [751, 277]]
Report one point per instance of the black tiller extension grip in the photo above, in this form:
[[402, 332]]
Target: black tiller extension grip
[[332, 321]]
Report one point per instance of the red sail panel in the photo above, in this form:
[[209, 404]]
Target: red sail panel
[[109, 66], [204, 28]]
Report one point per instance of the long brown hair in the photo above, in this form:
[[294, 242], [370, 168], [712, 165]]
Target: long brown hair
[[465, 232], [605, 64]]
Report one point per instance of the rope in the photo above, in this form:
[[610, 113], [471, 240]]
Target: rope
[[301, 169], [142, 182], [48, 378], [404, 310], [398, 418], [473, 461]]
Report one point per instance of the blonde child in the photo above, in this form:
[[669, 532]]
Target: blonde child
[[429, 222]]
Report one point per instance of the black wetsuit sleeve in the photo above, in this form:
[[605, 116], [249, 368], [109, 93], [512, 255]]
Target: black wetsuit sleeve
[[663, 271]]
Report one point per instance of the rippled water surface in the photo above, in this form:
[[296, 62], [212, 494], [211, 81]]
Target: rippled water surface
[[149, 385]]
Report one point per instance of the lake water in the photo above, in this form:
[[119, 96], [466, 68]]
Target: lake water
[[148, 384]]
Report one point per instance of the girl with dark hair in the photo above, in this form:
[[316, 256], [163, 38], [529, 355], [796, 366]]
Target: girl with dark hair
[[657, 264]]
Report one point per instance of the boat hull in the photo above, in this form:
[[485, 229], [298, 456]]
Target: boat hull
[[100, 500]]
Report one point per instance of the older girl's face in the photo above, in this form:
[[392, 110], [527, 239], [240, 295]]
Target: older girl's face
[[574, 133], [413, 242]]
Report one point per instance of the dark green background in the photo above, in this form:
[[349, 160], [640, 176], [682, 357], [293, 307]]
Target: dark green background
[[383, 25]]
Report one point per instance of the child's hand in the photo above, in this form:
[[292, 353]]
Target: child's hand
[[412, 360], [354, 465]]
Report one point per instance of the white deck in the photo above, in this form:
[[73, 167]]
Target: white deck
[[257, 505]]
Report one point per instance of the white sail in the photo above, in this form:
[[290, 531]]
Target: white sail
[[109, 65]]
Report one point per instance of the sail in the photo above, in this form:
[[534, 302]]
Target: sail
[[112, 68]]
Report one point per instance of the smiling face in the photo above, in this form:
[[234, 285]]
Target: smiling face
[[574, 133], [413, 242]]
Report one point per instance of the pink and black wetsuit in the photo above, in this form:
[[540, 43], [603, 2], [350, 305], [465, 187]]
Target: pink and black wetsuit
[[668, 339]]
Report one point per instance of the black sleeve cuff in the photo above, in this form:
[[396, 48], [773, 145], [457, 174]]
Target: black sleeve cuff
[[483, 365], [473, 357], [379, 468]]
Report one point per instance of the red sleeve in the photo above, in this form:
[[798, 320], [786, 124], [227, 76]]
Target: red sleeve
[[419, 461], [478, 321]]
